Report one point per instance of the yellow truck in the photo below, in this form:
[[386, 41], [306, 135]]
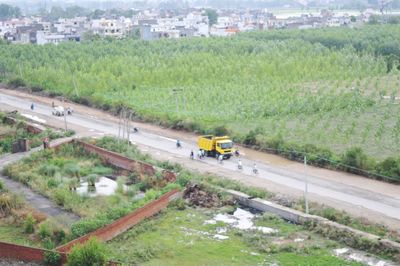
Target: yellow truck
[[215, 146]]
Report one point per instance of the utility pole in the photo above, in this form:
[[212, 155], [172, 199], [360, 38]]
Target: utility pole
[[306, 184], [65, 113]]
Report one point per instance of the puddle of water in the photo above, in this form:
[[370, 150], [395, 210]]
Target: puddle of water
[[361, 257], [241, 219], [104, 187]]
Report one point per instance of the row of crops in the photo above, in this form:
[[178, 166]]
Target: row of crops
[[335, 89]]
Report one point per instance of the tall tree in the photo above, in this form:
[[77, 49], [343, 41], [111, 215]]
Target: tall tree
[[212, 16], [7, 12]]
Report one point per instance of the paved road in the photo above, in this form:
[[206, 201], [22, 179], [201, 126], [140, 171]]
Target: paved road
[[37, 201], [361, 199]]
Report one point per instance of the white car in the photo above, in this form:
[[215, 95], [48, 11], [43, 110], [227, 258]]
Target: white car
[[58, 111]]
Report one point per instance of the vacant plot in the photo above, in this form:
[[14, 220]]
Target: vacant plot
[[207, 237]]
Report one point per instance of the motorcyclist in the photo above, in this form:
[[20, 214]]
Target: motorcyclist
[[255, 170]]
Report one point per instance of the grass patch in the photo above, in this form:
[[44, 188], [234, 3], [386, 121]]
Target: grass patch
[[180, 237]]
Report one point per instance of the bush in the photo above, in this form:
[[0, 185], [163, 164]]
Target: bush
[[356, 158], [44, 230], [389, 167], [1, 186], [92, 253], [52, 258], [48, 170], [29, 224], [221, 131], [91, 179], [178, 204], [16, 82], [5, 204], [60, 195], [85, 226]]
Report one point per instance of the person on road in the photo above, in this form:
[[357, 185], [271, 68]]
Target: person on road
[[192, 155], [221, 159], [32, 106], [240, 166], [200, 154], [178, 143], [237, 154], [255, 170]]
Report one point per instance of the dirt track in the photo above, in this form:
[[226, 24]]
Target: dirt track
[[354, 194]]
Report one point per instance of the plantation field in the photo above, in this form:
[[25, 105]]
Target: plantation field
[[334, 89]]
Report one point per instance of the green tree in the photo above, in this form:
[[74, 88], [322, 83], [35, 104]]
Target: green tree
[[212, 16], [7, 12]]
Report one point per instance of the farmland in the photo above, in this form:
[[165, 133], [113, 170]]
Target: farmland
[[317, 91]]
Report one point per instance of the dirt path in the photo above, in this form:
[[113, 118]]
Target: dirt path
[[365, 192], [35, 200]]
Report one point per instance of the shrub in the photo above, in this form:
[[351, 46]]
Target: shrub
[[356, 158], [92, 253], [52, 183], [29, 224], [178, 204], [44, 230], [221, 131], [73, 170], [5, 204], [389, 167], [16, 82], [51, 258], [251, 138], [60, 195], [91, 179], [183, 178], [85, 226], [1, 186]]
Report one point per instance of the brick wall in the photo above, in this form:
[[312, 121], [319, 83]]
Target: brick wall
[[123, 224], [24, 253], [123, 162]]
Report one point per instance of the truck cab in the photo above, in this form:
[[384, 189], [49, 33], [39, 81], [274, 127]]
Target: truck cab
[[215, 146]]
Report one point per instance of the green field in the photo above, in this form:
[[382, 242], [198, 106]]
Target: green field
[[321, 91], [181, 238]]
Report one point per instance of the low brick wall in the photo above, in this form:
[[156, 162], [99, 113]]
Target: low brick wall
[[125, 163], [123, 224], [24, 253]]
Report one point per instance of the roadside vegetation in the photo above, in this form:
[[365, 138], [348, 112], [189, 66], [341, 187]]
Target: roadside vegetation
[[321, 92], [12, 132]]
